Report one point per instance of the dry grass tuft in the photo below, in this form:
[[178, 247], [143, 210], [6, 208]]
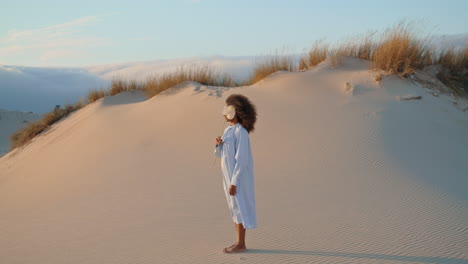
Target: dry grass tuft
[[336, 57], [271, 64], [454, 59], [402, 50], [96, 94], [119, 85], [361, 47], [318, 53], [303, 65], [454, 72], [455, 80], [202, 74], [25, 134]]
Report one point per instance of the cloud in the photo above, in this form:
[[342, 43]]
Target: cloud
[[50, 40], [46, 33], [53, 44]]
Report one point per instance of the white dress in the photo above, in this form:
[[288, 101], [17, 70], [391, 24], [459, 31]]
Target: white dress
[[237, 168]]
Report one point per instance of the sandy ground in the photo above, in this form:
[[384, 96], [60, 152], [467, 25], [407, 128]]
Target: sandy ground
[[341, 176]]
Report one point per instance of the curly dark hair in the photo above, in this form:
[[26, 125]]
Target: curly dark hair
[[246, 112]]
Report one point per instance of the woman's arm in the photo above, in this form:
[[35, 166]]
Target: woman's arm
[[242, 156]]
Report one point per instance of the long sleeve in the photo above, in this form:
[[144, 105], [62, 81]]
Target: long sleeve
[[217, 150], [242, 156]]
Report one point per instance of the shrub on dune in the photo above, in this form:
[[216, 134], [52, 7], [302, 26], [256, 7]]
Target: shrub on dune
[[454, 59], [269, 65], [402, 51], [119, 85], [25, 134], [316, 54], [202, 74], [360, 47], [96, 94], [454, 72]]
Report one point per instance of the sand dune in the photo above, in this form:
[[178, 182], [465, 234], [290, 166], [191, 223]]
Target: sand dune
[[340, 177]]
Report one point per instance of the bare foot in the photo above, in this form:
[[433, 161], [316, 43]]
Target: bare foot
[[231, 246], [235, 249], [228, 248]]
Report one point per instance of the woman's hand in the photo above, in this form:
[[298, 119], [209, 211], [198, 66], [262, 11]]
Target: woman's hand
[[232, 189], [219, 140]]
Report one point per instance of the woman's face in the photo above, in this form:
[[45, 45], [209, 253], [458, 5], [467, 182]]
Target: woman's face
[[227, 112], [234, 120]]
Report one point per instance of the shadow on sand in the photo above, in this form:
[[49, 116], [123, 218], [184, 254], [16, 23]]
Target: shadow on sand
[[124, 98]]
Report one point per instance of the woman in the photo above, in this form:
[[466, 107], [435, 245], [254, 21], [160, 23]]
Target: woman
[[237, 166]]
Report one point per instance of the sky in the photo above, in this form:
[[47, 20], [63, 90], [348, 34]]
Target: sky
[[84, 33]]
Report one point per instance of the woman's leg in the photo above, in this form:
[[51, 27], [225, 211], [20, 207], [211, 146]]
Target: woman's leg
[[240, 235], [235, 228], [240, 245]]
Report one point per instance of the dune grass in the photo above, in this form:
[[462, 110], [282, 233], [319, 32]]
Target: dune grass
[[27, 133], [454, 59], [407, 47], [401, 49], [270, 64], [454, 72], [96, 94], [203, 74], [153, 85], [316, 54], [119, 85], [362, 47]]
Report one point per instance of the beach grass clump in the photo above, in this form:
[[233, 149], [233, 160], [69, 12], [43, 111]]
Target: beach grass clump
[[25, 134], [317, 53], [96, 94], [119, 85], [203, 74], [454, 71], [402, 49], [271, 64]]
